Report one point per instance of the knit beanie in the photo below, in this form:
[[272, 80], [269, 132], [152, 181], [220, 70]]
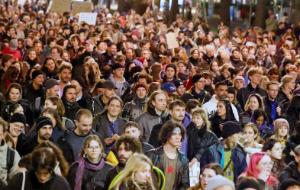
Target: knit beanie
[[36, 73], [18, 117], [230, 128], [42, 121], [218, 181]]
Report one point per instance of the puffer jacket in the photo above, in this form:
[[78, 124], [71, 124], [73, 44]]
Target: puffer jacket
[[199, 140], [182, 181]]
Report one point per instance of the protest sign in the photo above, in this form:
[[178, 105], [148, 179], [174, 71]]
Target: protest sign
[[89, 18], [172, 40]]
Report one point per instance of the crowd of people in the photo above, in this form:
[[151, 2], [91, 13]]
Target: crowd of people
[[111, 106]]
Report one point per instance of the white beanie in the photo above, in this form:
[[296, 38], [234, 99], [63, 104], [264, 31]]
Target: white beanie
[[218, 181]]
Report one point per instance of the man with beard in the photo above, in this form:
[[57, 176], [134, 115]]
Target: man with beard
[[43, 132], [69, 99], [124, 148]]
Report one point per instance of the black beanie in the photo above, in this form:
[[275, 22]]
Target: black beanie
[[18, 117], [36, 73], [42, 121], [230, 128]]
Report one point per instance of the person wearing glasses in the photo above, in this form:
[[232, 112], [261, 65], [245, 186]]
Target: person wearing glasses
[[90, 171]]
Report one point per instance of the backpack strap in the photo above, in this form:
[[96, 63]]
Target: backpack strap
[[10, 158]]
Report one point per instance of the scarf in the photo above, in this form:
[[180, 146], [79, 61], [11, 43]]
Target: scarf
[[82, 165]]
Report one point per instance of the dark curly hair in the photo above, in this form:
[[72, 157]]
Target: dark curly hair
[[167, 130]]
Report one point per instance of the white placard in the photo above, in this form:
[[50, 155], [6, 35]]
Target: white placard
[[89, 18], [172, 40], [21, 2], [194, 173]]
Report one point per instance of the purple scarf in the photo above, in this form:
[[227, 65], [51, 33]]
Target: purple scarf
[[83, 164]]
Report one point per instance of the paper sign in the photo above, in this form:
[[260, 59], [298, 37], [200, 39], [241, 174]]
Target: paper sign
[[78, 7], [89, 18], [172, 40], [194, 173], [21, 2], [60, 6]]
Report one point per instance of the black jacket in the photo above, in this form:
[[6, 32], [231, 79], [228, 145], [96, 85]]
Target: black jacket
[[245, 92], [199, 140], [103, 126], [203, 96], [31, 182], [182, 181], [92, 179], [71, 109], [290, 171]]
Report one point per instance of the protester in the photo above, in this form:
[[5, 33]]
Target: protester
[[207, 172], [260, 167], [200, 138], [137, 174], [72, 141], [168, 158], [89, 172], [42, 175], [124, 148], [9, 157], [229, 154]]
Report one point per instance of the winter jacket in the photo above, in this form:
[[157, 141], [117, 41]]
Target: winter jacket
[[199, 140], [203, 96], [133, 109], [30, 94], [96, 105], [245, 92], [182, 181], [290, 171], [5, 172], [238, 157], [92, 179], [71, 109], [31, 182], [148, 120], [106, 128]]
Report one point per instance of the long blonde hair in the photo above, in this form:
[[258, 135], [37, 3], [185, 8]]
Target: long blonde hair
[[135, 163]]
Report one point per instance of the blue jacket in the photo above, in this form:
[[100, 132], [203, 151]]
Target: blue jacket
[[214, 155]]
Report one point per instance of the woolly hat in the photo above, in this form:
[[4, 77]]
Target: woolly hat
[[230, 128], [42, 121], [218, 181], [36, 73], [18, 118]]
